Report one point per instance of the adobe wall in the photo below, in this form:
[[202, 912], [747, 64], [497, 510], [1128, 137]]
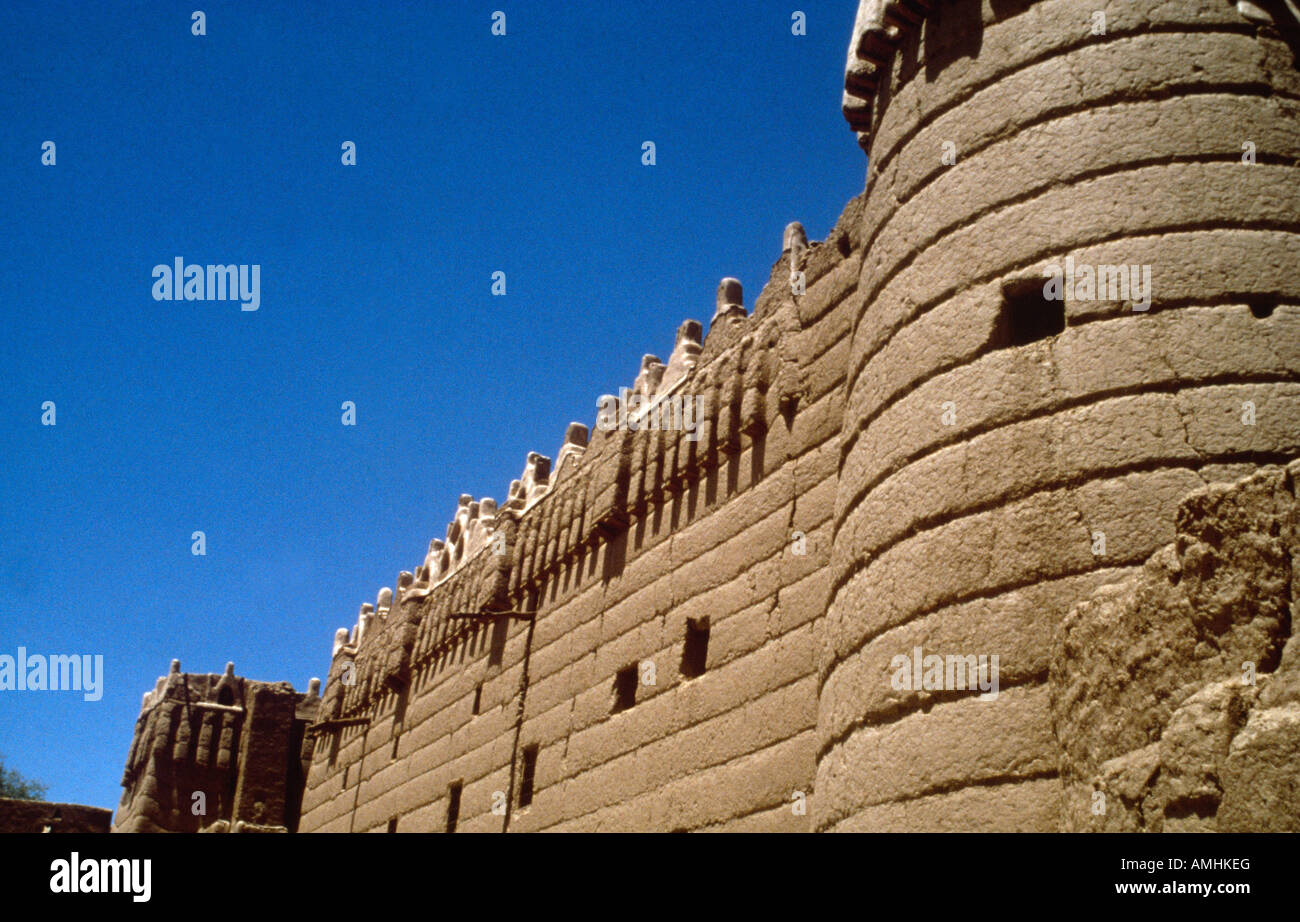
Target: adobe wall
[[974, 532], [966, 460], [629, 538], [1175, 693], [43, 816], [240, 744]]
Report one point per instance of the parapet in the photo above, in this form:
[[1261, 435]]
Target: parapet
[[876, 32], [713, 396], [881, 26]]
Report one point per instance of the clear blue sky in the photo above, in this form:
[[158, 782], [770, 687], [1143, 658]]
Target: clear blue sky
[[475, 153]]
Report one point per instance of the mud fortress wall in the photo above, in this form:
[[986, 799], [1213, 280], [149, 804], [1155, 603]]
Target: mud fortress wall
[[947, 456], [241, 745], [630, 537]]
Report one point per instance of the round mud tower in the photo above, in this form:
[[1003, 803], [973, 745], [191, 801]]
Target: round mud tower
[[1079, 305]]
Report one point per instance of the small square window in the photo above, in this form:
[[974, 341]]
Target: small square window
[[695, 653], [530, 773], [453, 804], [625, 688], [1028, 314]]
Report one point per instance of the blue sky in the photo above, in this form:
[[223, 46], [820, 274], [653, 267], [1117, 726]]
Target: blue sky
[[475, 153]]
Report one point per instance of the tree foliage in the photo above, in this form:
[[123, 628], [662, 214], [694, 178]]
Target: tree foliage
[[14, 785]]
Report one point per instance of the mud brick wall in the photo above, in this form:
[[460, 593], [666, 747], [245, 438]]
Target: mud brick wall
[[975, 533], [633, 538], [240, 743], [42, 816], [967, 460]]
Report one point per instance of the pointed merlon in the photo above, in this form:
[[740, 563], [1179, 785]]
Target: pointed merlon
[[225, 687], [686, 353], [536, 479], [795, 238], [434, 562], [795, 242], [575, 443], [730, 301], [647, 381], [576, 434]]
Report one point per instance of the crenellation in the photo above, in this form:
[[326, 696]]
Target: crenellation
[[647, 380], [730, 307], [536, 477], [571, 451], [794, 241], [685, 355]]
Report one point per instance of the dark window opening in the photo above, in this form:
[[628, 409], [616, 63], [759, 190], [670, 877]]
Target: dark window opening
[[346, 769], [478, 697], [625, 688], [226, 696], [695, 654], [392, 824], [530, 772], [1028, 315], [1260, 308], [453, 805]]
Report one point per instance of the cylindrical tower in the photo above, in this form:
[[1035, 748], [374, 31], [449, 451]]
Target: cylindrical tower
[[1080, 301]]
